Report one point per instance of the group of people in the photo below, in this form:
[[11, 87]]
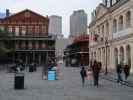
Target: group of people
[[120, 69], [17, 67], [95, 67], [20, 66]]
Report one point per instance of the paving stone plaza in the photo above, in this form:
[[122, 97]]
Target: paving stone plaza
[[69, 87]]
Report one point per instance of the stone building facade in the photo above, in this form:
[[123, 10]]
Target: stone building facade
[[30, 36], [111, 30]]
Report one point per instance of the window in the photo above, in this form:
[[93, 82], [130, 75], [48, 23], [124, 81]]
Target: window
[[30, 30], [128, 19], [23, 30], [114, 26], [36, 29], [1, 28], [103, 30], [10, 29], [107, 28], [27, 14], [17, 31], [43, 29], [120, 23]]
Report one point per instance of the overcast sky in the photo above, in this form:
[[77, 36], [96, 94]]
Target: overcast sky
[[62, 8]]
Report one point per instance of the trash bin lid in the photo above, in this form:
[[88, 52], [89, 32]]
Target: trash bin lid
[[19, 74]]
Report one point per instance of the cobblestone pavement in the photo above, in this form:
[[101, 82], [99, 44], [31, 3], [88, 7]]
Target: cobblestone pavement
[[68, 88]]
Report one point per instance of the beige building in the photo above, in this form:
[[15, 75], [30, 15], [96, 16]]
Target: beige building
[[111, 30]]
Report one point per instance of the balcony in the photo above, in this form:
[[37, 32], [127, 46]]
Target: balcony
[[122, 33]]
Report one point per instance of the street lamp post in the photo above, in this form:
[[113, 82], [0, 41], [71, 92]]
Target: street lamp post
[[106, 46]]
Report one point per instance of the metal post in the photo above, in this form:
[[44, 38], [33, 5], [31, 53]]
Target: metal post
[[44, 67]]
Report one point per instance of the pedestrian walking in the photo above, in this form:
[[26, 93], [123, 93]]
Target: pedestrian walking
[[83, 75], [96, 70], [126, 71], [89, 75], [119, 72]]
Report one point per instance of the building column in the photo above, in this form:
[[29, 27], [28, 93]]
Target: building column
[[125, 54], [26, 57], [108, 56], [104, 57], [131, 57], [96, 54], [34, 57], [13, 57], [131, 17], [119, 55], [112, 58], [18, 55], [40, 58], [101, 56]]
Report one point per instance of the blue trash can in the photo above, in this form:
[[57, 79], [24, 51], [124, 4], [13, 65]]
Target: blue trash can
[[51, 75]]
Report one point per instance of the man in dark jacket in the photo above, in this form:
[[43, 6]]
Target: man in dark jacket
[[126, 71], [83, 75], [96, 70], [119, 71]]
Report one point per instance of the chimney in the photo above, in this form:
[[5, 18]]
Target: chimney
[[7, 12]]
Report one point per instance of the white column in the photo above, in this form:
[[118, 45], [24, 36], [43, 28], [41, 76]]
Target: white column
[[101, 56], [119, 55], [108, 58], [131, 17], [132, 58], [112, 58], [125, 54]]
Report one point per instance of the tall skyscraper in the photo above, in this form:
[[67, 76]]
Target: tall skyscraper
[[78, 23], [55, 26]]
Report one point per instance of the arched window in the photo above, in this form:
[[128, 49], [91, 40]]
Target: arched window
[[128, 19], [103, 30], [128, 55], [107, 29], [114, 26], [120, 23], [122, 55]]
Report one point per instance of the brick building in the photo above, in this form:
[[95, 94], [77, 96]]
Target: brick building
[[77, 53], [29, 36]]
